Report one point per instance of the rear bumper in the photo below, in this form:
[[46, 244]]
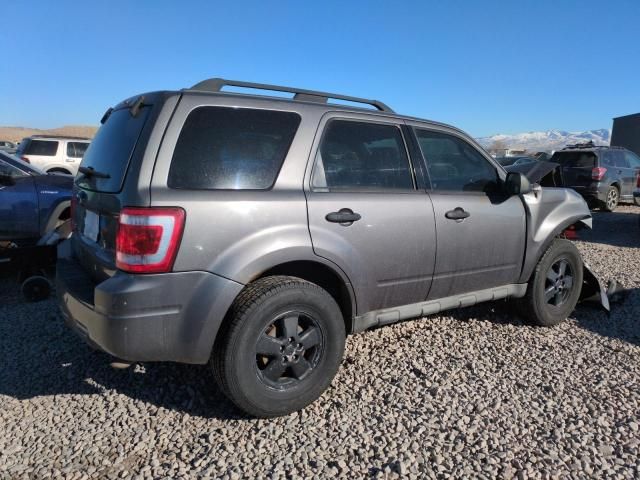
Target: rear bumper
[[161, 317]]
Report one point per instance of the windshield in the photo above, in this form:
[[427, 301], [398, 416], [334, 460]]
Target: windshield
[[110, 151], [575, 159]]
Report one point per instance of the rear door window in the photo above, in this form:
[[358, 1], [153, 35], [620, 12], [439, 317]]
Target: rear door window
[[45, 148], [361, 156], [575, 159], [111, 150], [76, 149], [633, 159], [231, 148]]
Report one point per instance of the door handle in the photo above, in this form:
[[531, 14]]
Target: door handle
[[344, 216], [457, 213]]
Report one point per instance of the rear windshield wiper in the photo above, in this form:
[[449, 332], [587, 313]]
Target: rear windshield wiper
[[91, 172]]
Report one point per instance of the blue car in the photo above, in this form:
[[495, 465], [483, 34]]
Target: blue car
[[32, 202]]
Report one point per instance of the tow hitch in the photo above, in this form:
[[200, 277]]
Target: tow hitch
[[594, 290]]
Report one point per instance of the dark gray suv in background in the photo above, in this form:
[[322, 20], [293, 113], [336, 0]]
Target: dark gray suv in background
[[604, 176], [253, 233]]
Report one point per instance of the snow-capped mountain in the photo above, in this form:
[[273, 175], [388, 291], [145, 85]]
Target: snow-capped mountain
[[549, 140]]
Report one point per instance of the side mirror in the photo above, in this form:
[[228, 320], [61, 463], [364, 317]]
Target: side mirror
[[517, 184], [7, 180]]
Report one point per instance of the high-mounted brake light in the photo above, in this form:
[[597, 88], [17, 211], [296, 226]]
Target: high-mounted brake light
[[148, 239], [597, 173]]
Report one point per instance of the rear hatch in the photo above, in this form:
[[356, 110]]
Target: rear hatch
[[577, 167], [100, 189]]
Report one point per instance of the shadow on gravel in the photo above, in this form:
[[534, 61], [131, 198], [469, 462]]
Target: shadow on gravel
[[618, 229], [623, 323], [41, 356]]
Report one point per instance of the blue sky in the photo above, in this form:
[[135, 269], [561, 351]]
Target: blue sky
[[486, 67]]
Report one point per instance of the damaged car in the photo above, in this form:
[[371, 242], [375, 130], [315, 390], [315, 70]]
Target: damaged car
[[254, 233]]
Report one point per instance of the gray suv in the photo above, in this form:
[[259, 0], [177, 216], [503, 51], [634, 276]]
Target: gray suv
[[253, 233]]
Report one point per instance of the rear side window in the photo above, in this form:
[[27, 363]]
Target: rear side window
[[362, 156], [76, 149], [45, 148], [632, 159], [111, 150], [575, 159], [231, 148]]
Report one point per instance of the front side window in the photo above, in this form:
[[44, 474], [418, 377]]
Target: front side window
[[10, 170], [357, 156], [231, 148], [45, 148], [454, 165], [76, 149]]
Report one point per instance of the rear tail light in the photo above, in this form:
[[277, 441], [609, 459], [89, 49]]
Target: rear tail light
[[25, 159], [638, 180], [148, 239], [597, 173]]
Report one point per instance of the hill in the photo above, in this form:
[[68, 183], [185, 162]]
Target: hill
[[15, 134], [548, 140]]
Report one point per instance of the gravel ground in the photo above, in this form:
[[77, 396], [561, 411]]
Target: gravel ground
[[473, 393]]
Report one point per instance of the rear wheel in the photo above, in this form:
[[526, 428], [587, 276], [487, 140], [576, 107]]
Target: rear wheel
[[611, 200], [554, 287], [282, 347]]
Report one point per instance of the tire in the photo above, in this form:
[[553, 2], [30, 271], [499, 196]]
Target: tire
[[281, 346], [36, 288], [548, 279], [612, 199]]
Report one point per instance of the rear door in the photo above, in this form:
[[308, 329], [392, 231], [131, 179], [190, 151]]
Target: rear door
[[481, 232], [366, 212], [73, 153]]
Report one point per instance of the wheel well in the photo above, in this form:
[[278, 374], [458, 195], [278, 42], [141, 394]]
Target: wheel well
[[65, 214], [615, 184], [59, 170], [322, 276]]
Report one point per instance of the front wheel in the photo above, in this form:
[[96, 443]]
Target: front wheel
[[282, 347], [554, 287]]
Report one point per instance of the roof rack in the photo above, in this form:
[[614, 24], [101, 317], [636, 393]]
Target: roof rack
[[69, 137], [589, 144], [216, 85]]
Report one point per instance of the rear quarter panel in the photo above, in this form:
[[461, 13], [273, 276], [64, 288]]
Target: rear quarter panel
[[239, 234]]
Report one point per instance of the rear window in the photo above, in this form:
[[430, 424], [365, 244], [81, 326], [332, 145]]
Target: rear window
[[231, 148], [111, 150], [575, 159], [45, 148], [76, 149]]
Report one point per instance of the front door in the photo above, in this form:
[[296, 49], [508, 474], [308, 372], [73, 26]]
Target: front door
[[18, 204], [367, 215], [480, 232]]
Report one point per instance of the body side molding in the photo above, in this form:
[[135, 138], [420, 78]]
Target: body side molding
[[387, 316]]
